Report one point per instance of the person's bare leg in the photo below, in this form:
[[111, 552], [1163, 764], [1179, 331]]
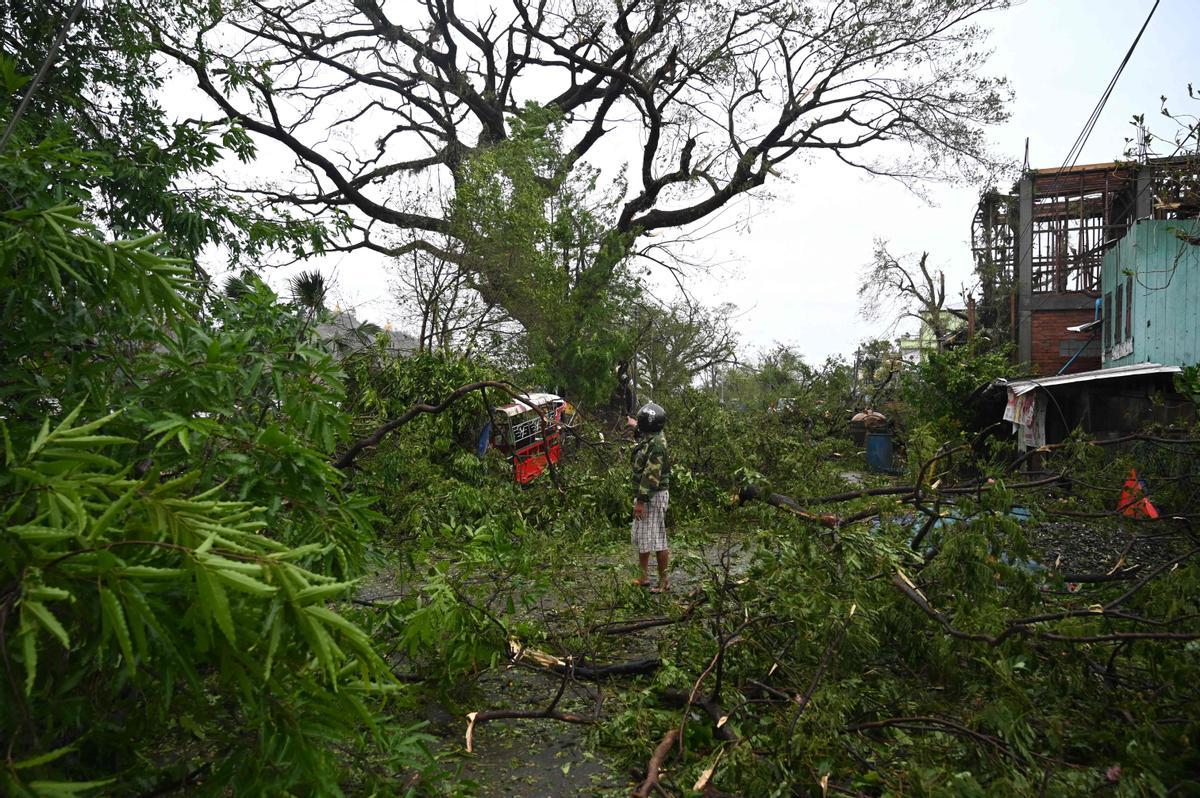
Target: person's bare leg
[[663, 558], [644, 563]]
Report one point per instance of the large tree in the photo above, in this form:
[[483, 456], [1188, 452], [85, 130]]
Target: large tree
[[679, 342], [405, 119]]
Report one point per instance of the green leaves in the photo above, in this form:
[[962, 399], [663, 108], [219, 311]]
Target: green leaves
[[46, 619], [215, 603], [66, 789], [114, 621], [172, 524], [116, 566], [34, 616], [42, 759], [12, 80]]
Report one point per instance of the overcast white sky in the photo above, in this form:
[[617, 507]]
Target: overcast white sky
[[797, 269], [792, 262]]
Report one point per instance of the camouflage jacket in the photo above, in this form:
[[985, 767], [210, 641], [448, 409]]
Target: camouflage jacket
[[651, 466]]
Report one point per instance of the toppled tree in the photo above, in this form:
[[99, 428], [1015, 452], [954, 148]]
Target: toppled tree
[[910, 291]]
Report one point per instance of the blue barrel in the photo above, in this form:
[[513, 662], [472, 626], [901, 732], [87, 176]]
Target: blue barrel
[[879, 451]]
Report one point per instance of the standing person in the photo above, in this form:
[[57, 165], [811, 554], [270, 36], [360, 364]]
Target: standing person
[[651, 480]]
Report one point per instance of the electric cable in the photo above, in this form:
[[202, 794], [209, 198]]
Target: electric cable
[[1081, 140], [1085, 133]]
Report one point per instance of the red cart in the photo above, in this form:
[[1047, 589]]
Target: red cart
[[518, 430]]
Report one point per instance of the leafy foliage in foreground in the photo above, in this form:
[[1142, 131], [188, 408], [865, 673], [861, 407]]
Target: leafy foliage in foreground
[[173, 528]]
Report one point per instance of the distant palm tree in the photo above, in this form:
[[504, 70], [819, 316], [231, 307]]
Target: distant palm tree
[[237, 286], [309, 290]]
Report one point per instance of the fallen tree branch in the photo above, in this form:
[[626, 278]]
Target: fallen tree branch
[[549, 713], [905, 585], [1116, 576], [751, 492], [934, 517], [713, 709], [541, 660], [906, 493], [1022, 626], [475, 718], [1155, 572], [350, 455], [923, 723], [597, 673], [697, 598], [628, 627], [761, 687], [726, 644], [826, 520], [918, 489], [661, 752]]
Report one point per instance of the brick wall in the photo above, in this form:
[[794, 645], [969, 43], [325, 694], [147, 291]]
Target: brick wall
[[1053, 345]]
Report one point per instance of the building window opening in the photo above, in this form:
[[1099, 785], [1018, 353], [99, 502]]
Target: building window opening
[[1108, 320], [1128, 307], [1118, 328]]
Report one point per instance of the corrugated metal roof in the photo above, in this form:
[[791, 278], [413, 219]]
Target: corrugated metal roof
[[1019, 387], [532, 400]]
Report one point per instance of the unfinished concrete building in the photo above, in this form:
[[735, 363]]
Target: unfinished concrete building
[[1039, 252]]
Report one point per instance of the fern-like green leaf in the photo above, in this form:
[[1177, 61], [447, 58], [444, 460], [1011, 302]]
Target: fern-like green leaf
[[215, 602], [50, 623], [114, 618]]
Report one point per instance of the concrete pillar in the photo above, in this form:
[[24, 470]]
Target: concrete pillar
[[1024, 269], [1143, 208]]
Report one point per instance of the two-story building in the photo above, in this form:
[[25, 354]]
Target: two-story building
[[1105, 293], [1048, 244]]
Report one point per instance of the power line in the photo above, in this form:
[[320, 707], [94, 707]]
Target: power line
[[1081, 140]]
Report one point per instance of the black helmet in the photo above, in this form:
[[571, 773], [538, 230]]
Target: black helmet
[[651, 418]]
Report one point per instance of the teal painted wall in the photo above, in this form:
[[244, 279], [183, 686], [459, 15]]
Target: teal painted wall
[[1165, 304]]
